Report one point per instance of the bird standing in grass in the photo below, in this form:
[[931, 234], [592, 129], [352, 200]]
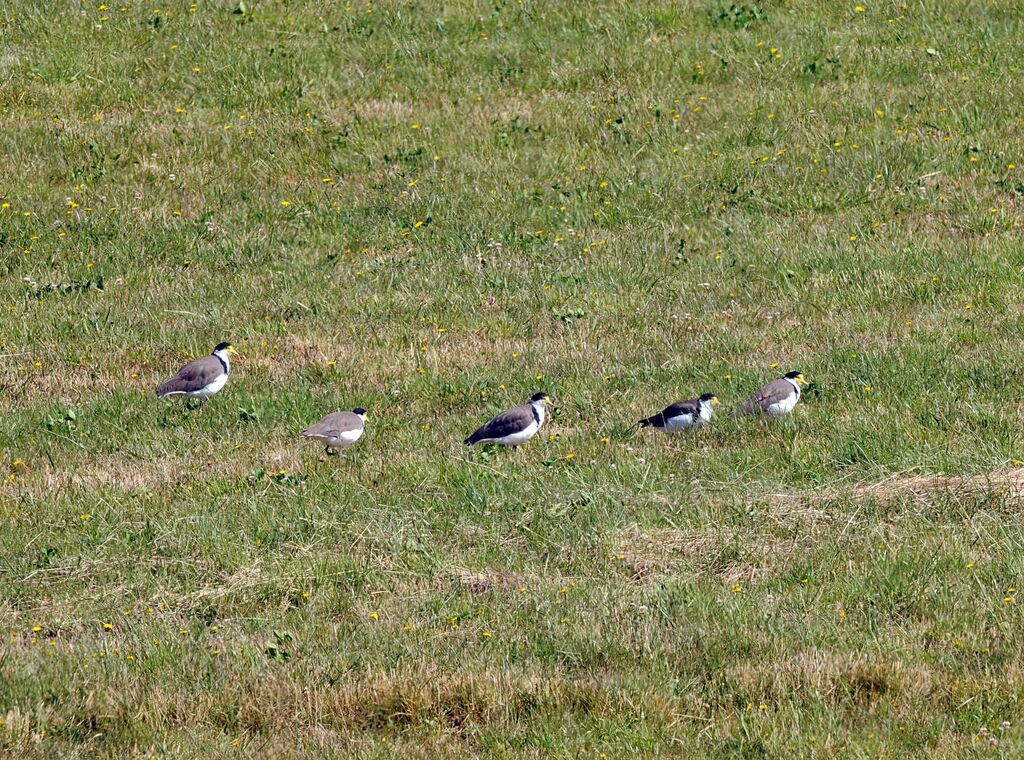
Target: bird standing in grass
[[778, 398], [683, 415], [338, 430], [514, 426], [201, 378]]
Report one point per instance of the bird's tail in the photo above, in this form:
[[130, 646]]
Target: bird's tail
[[649, 421], [476, 437]]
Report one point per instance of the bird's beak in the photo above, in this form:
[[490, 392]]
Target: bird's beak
[[547, 400], [800, 379], [715, 401], [231, 350]]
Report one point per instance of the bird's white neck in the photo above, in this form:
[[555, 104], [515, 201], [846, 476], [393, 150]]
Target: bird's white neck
[[224, 357], [706, 410], [540, 408], [794, 383]]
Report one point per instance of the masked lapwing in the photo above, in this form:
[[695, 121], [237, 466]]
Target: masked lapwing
[[778, 398], [201, 378], [338, 430], [514, 426], [683, 415]]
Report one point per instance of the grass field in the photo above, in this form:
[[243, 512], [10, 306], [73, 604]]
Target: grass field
[[433, 211]]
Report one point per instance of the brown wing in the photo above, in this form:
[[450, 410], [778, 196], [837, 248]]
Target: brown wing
[[691, 406], [773, 393], [193, 376], [333, 425], [508, 422]]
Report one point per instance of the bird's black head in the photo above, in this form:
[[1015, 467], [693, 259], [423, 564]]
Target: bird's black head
[[796, 376], [359, 410], [541, 396], [222, 347]]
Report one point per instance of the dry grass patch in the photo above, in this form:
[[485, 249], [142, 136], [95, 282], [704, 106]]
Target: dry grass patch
[[919, 488], [133, 476], [480, 582], [837, 677], [383, 110]]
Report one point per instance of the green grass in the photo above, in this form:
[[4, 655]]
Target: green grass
[[433, 211]]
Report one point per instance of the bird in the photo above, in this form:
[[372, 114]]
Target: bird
[[338, 430], [683, 415], [778, 398], [201, 378], [514, 426]]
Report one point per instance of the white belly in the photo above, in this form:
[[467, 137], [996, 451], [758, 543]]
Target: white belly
[[784, 407], [680, 422], [516, 438], [212, 388], [346, 439], [340, 441]]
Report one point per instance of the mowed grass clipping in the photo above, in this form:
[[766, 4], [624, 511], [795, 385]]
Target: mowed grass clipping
[[433, 211]]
